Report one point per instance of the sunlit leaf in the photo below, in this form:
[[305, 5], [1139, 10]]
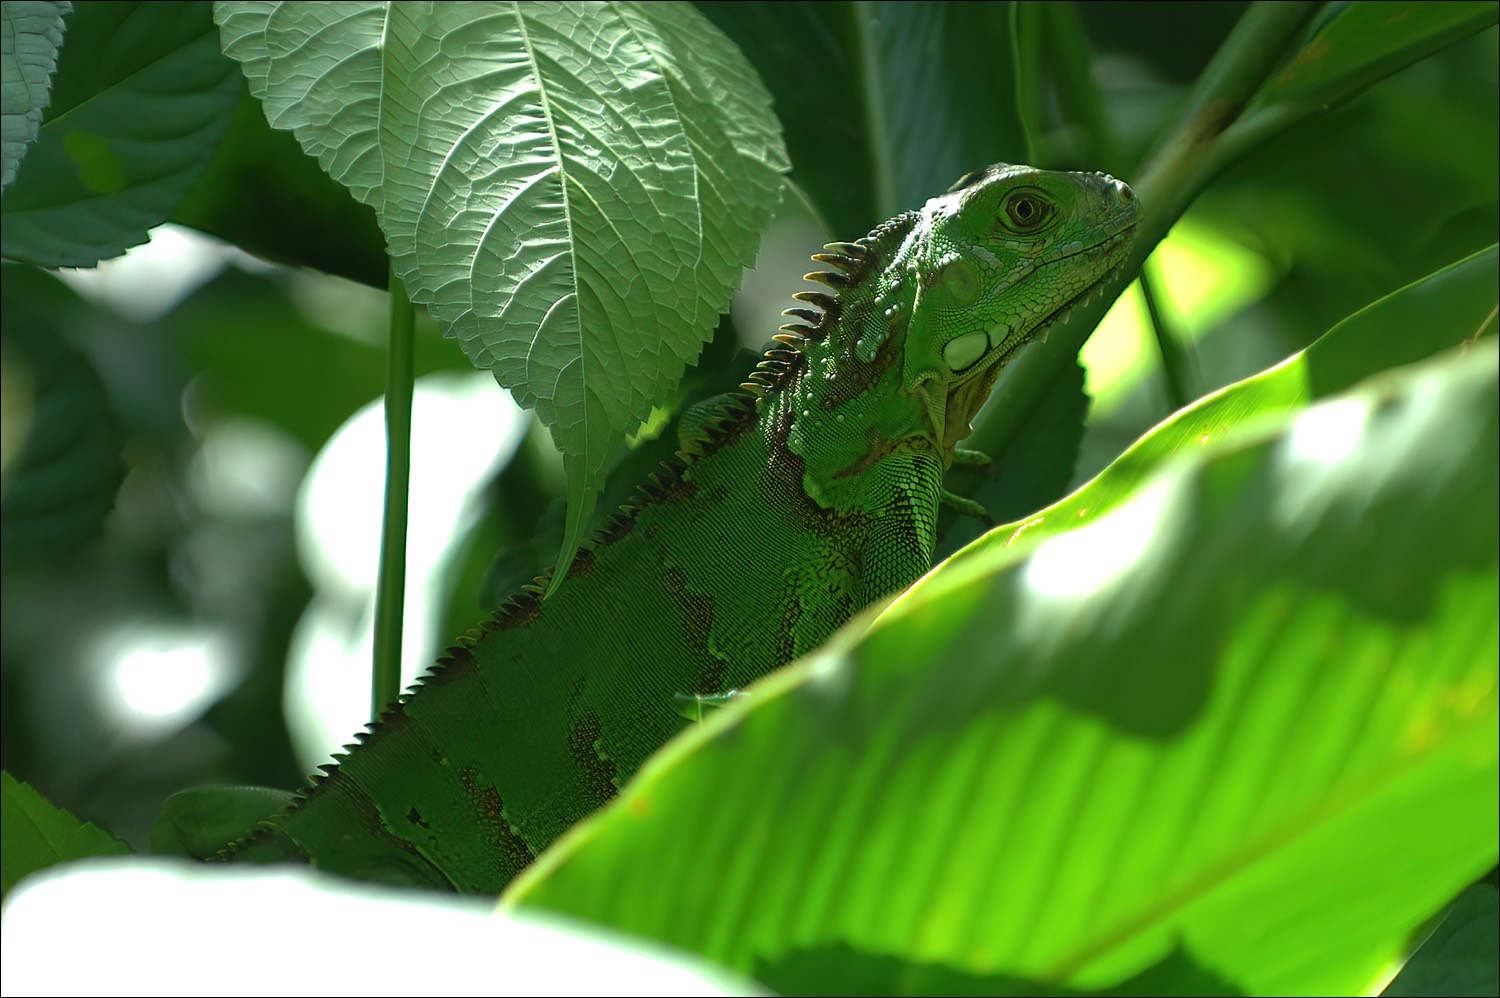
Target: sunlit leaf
[[1261, 686], [572, 190]]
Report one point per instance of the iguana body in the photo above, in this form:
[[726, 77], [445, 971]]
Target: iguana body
[[803, 501]]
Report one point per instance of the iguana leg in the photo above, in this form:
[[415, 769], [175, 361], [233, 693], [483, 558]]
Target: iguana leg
[[970, 458], [968, 507], [196, 823], [898, 549]]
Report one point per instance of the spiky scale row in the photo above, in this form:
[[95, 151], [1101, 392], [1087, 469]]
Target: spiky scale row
[[831, 278], [518, 734], [842, 261]]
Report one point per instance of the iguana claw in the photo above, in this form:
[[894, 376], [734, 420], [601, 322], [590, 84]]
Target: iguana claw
[[968, 507]]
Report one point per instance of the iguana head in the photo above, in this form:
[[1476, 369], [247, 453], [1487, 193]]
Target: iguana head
[[1005, 251], [928, 308]]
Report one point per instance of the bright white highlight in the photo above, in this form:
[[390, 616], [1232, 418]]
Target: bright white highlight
[[159, 678], [1085, 561], [245, 469], [1327, 434], [149, 280], [1313, 457], [463, 429], [159, 928]]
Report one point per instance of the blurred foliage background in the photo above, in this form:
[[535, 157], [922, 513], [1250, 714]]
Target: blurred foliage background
[[161, 415]]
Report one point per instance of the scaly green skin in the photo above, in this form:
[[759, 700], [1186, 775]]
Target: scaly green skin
[[805, 500]]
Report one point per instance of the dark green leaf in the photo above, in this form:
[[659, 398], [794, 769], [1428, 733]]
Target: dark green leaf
[[885, 104], [1462, 958], [35, 834], [62, 479], [261, 193], [1367, 42], [140, 97], [30, 35]]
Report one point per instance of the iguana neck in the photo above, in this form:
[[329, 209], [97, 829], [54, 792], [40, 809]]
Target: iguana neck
[[831, 388], [924, 313]]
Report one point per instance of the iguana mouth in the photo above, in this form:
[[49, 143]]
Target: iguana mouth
[[969, 392], [1064, 312]]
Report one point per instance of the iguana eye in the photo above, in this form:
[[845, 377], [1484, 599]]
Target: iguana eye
[[1026, 211]]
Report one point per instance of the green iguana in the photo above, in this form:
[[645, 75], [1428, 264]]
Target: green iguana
[[810, 496]]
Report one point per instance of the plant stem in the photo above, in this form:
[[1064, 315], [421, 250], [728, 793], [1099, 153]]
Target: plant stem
[[391, 587], [1183, 162], [1180, 167], [1174, 360]]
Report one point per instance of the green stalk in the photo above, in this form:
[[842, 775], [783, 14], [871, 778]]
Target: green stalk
[[1180, 167], [1237, 106], [391, 587], [1174, 359]]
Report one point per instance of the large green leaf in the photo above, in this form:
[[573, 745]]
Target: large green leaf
[[36, 834], [140, 97], [1241, 730], [31, 32], [571, 189], [1440, 311]]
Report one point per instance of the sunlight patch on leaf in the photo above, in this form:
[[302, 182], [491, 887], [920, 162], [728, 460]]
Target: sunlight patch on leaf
[[1091, 559]]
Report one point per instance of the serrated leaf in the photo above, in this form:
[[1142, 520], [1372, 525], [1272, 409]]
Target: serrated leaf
[[36, 834], [140, 97], [571, 189], [1260, 687], [31, 32]]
